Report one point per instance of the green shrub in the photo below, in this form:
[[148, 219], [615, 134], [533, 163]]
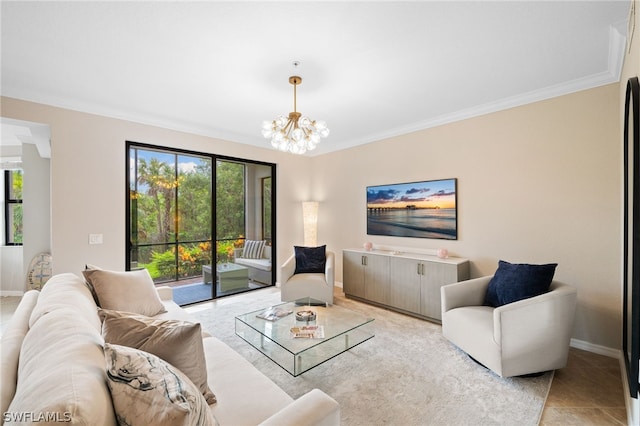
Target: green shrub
[[190, 259]]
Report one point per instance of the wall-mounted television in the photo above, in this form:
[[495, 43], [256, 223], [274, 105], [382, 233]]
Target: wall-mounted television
[[426, 209]]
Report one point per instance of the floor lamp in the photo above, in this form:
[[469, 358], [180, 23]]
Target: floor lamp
[[310, 220]]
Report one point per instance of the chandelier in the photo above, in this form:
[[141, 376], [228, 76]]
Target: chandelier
[[296, 133]]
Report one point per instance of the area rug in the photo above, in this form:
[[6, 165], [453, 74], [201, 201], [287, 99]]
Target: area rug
[[408, 374]]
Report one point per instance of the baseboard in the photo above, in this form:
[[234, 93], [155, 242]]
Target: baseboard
[[596, 349], [631, 404], [8, 293]]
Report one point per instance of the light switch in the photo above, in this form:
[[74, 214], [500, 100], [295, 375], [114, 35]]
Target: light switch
[[95, 238]]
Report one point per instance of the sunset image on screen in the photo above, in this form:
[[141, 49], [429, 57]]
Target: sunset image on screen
[[418, 209]]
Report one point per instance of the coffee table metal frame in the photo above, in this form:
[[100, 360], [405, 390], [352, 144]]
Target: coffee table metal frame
[[343, 330]]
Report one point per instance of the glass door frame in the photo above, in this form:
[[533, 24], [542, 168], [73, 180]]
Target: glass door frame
[[213, 158]]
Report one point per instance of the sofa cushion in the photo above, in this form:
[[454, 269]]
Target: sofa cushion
[[253, 249], [310, 260], [130, 291], [61, 369], [245, 395], [177, 342], [262, 264], [149, 391], [513, 282], [12, 338]]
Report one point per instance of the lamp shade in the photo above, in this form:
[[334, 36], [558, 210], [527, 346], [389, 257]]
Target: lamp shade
[[310, 220]]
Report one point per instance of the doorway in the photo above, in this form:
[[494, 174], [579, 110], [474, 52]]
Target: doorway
[[25, 149]]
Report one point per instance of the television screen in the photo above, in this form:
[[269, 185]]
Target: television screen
[[418, 209]]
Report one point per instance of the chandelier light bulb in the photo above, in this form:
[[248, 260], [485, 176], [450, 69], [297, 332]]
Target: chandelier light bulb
[[305, 122], [296, 133], [281, 121], [267, 130]]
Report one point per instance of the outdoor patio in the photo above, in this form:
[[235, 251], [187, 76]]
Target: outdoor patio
[[194, 290]]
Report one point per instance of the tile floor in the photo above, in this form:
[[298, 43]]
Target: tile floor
[[587, 392]]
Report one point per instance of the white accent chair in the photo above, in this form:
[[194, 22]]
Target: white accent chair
[[524, 337], [318, 286]]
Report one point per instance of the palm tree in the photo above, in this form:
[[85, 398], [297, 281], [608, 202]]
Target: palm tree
[[161, 183]]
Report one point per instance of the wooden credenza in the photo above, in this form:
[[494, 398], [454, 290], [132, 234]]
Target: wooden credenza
[[405, 282]]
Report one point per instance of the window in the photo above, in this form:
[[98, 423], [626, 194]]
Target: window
[[189, 214], [170, 213], [13, 207]]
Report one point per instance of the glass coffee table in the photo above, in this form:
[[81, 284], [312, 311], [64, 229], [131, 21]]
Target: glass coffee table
[[342, 329]]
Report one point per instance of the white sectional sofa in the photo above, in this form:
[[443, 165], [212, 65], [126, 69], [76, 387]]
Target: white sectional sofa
[[53, 368]]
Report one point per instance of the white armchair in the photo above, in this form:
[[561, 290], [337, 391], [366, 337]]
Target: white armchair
[[317, 286], [523, 337]]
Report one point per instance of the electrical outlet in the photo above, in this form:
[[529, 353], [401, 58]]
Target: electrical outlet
[[95, 238]]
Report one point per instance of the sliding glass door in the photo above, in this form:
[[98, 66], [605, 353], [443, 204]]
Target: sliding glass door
[[244, 223], [230, 209], [178, 200]]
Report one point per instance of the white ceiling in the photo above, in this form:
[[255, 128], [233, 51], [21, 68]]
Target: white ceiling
[[370, 69]]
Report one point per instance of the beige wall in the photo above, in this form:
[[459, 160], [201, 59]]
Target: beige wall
[[538, 183], [37, 199], [88, 181]]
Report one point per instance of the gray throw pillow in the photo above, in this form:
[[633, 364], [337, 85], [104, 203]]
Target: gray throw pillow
[[177, 342], [130, 291], [253, 249]]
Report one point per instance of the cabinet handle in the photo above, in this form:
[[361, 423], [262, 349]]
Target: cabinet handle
[[420, 268], [364, 260]]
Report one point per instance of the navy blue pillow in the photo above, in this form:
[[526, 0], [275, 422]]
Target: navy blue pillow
[[310, 260], [517, 281]]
